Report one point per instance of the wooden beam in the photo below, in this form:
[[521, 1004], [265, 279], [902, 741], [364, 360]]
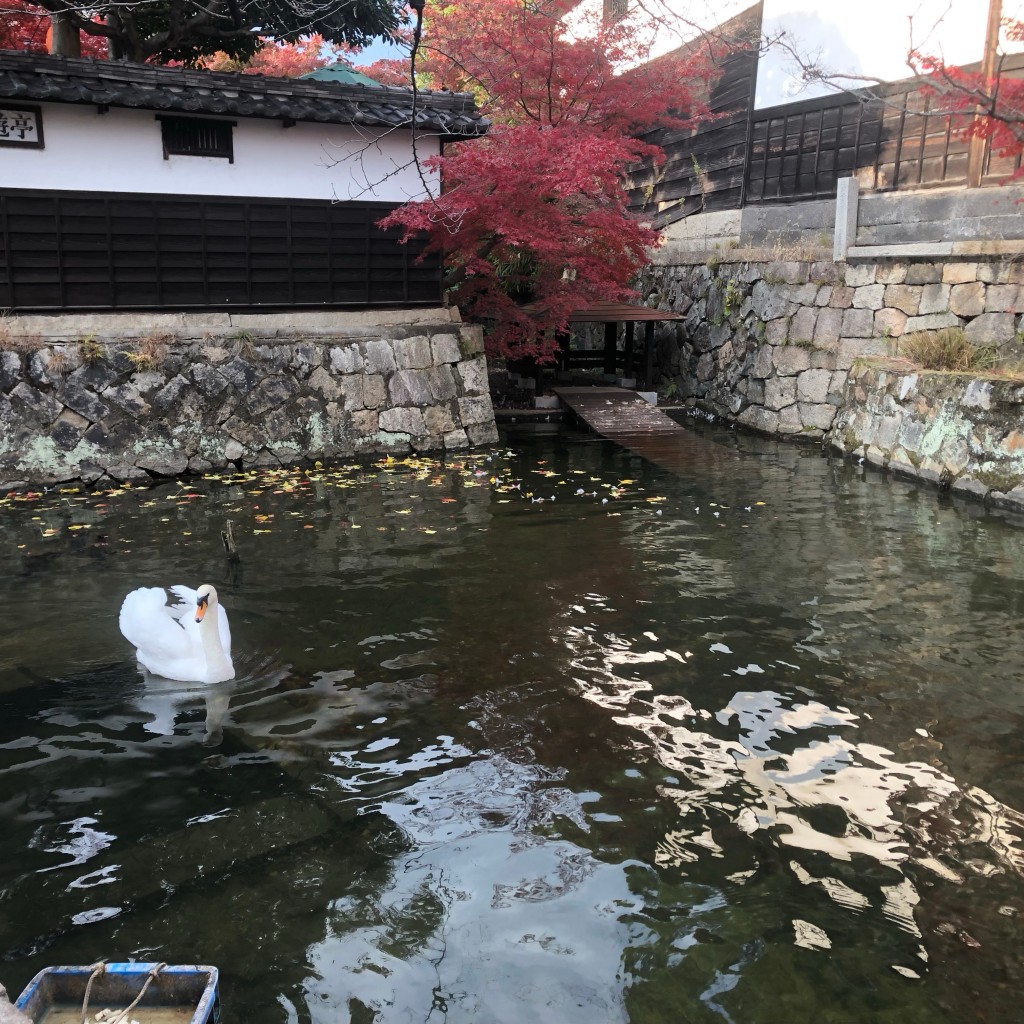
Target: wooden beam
[[649, 354], [976, 153], [611, 331]]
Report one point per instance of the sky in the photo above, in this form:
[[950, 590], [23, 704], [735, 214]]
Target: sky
[[863, 37], [379, 49], [868, 38]]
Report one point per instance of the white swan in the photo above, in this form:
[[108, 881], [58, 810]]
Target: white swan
[[190, 641]]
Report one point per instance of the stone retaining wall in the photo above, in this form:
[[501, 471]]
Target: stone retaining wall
[[770, 343], [162, 405], [960, 433]]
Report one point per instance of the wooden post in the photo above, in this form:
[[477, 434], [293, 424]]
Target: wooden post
[[65, 40], [564, 341], [630, 330], [978, 146], [649, 355], [611, 334]]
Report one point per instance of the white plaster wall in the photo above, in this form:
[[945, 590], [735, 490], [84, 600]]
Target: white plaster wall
[[121, 151]]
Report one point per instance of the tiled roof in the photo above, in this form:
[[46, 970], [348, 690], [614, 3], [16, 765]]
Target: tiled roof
[[31, 77]]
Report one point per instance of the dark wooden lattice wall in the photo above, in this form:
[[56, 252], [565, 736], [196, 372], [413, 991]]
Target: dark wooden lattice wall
[[109, 251]]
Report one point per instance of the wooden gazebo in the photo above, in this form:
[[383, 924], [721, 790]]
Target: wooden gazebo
[[611, 314]]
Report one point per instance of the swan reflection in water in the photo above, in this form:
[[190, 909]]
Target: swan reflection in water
[[178, 644], [164, 700]]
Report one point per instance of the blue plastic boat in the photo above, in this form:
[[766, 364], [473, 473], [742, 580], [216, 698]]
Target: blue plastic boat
[[176, 994]]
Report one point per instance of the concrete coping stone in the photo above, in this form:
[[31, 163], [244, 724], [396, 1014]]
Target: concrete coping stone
[[872, 252], [674, 254]]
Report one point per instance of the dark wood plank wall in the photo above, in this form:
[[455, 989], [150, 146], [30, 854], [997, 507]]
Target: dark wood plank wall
[[893, 138], [96, 251], [703, 168]]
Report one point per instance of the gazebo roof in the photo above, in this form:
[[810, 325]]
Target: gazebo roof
[[619, 312]]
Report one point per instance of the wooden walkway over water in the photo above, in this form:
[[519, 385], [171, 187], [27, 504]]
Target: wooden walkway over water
[[622, 416], [616, 412]]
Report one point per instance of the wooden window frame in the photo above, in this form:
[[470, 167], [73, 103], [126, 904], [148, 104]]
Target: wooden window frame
[[35, 109], [228, 152]]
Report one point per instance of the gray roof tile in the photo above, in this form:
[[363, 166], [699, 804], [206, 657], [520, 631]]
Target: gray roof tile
[[28, 76]]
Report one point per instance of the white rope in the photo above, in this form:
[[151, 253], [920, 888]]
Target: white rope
[[116, 1016]]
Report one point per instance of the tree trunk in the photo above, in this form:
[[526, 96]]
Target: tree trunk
[[115, 47], [65, 40]]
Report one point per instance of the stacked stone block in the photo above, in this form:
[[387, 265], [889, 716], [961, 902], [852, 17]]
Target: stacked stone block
[[94, 411], [960, 433], [770, 344]]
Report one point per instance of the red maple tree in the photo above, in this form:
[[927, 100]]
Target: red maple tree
[[388, 71], [281, 60], [24, 26], [533, 218], [986, 106]]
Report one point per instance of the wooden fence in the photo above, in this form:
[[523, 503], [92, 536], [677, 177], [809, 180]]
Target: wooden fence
[[80, 250], [897, 138], [703, 168], [890, 139]]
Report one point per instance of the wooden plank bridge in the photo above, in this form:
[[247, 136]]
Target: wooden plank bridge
[[615, 412], [622, 416]]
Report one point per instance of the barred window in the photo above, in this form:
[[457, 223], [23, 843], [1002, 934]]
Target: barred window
[[196, 136]]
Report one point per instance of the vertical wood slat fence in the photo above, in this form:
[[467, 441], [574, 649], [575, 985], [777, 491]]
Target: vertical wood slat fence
[[81, 251], [800, 151], [896, 138]]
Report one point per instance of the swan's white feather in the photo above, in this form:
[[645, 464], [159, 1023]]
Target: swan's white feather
[[166, 636], [187, 596]]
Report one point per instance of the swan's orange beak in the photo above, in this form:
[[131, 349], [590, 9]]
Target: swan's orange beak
[[200, 609]]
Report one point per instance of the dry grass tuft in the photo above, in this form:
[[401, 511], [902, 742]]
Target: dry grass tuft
[[947, 349], [151, 352], [11, 342], [90, 350], [59, 364]]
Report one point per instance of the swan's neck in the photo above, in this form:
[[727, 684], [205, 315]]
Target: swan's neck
[[218, 663]]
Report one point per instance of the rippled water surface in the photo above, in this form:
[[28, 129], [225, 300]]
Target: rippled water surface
[[735, 737]]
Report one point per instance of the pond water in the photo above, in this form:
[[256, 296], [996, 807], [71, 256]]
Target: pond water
[[734, 738]]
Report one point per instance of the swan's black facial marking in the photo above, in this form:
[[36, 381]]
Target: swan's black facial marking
[[201, 606]]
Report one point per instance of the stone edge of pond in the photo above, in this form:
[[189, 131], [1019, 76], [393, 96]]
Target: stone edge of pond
[[114, 410], [959, 432]]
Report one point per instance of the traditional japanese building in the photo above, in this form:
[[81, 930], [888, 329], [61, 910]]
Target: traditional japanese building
[[127, 186]]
